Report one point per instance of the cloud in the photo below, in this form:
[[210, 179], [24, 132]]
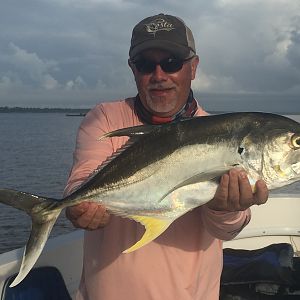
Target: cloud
[[76, 84], [28, 68], [250, 42], [207, 83], [6, 83], [70, 52]]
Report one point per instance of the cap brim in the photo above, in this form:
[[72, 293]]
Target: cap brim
[[175, 49]]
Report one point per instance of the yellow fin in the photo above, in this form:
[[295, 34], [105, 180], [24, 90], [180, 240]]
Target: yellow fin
[[154, 227]]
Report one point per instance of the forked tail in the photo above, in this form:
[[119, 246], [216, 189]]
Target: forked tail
[[43, 213]]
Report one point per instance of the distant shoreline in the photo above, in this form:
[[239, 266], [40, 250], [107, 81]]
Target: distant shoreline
[[83, 111], [43, 110]]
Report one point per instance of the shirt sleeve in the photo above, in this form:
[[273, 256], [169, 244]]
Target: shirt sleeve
[[224, 225], [89, 151]]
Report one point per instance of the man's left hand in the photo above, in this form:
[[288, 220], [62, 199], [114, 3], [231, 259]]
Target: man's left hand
[[234, 192]]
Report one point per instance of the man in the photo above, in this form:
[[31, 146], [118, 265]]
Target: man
[[185, 262]]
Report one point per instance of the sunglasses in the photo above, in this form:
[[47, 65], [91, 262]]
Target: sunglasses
[[168, 65]]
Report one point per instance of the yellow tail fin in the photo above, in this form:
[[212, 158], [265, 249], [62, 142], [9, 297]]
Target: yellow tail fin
[[154, 227]]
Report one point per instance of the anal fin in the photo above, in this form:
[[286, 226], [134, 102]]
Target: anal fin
[[154, 227]]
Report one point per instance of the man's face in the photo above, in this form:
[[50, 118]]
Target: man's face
[[162, 93]]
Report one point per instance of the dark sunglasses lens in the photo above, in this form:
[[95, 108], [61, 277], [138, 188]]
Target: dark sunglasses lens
[[171, 65], [145, 66], [168, 65]]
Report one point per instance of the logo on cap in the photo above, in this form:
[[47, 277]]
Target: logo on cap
[[159, 25]]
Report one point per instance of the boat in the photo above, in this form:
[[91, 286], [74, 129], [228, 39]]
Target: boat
[[75, 114], [63, 253], [275, 222], [270, 269]]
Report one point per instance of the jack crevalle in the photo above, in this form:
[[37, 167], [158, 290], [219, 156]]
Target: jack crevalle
[[164, 171]]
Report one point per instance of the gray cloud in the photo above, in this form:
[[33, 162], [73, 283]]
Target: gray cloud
[[74, 53], [251, 44]]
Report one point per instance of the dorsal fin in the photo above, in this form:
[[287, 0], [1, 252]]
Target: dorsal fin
[[128, 144], [131, 132]]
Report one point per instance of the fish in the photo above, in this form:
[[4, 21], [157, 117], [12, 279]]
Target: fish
[[164, 171]]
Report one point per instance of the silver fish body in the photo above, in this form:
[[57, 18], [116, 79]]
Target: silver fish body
[[164, 171]]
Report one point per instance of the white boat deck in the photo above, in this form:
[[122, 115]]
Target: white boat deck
[[63, 252], [277, 221]]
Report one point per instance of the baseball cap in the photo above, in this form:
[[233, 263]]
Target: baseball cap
[[164, 32]]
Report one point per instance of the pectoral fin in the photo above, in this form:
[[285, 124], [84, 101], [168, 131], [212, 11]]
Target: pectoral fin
[[154, 227], [212, 175]]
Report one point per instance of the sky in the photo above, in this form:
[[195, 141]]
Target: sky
[[73, 53]]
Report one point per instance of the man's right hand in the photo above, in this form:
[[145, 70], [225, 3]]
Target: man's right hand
[[88, 215]]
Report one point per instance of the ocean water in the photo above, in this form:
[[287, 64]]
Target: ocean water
[[36, 156]]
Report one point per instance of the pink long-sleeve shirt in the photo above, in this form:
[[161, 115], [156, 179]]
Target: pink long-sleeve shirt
[[185, 262]]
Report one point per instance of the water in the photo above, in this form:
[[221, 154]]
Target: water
[[36, 156]]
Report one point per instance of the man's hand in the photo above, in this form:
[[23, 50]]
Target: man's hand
[[88, 215], [234, 192]]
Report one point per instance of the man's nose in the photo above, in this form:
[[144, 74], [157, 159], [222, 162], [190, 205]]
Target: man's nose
[[159, 74]]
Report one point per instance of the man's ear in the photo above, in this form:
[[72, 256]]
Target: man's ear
[[194, 64]]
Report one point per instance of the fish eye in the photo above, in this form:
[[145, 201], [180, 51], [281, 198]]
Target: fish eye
[[241, 150], [295, 141]]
